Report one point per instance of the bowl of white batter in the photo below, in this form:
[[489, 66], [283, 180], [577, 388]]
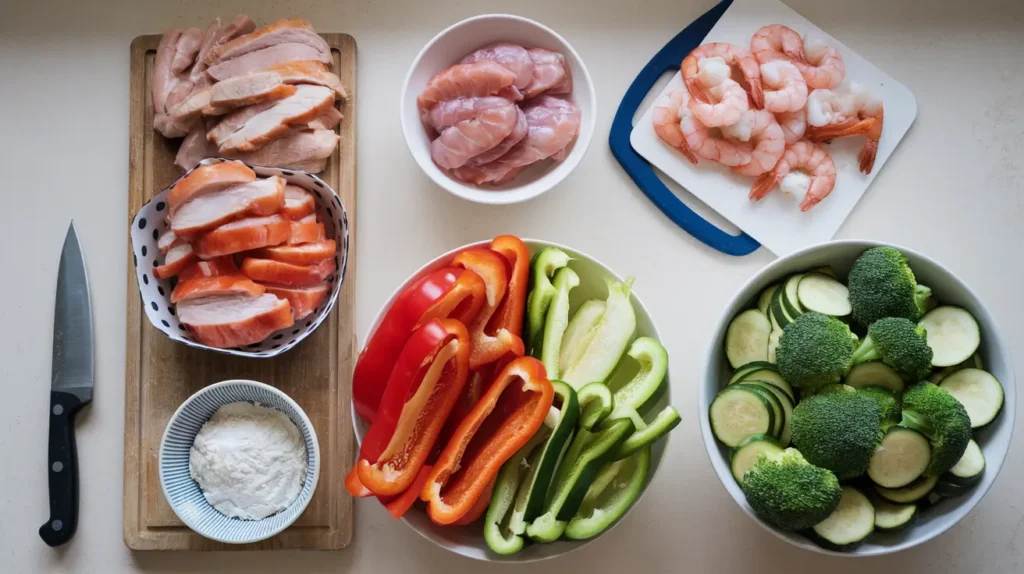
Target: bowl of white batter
[[239, 461]]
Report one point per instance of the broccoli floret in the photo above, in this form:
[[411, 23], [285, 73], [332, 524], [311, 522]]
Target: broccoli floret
[[835, 388], [937, 415], [815, 350], [899, 343], [790, 493], [889, 409], [882, 284], [838, 431]]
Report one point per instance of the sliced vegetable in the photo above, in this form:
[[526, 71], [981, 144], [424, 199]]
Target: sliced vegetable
[[497, 534], [891, 517], [653, 361], [746, 340], [953, 335], [978, 391], [401, 504], [849, 524], [740, 412], [773, 344], [781, 316], [900, 459], [968, 470], [615, 489], [741, 372], [770, 376], [745, 456], [488, 348], [790, 297], [509, 314], [556, 321], [595, 404], [875, 373], [666, 420], [580, 331], [787, 408], [764, 300], [779, 420], [821, 293], [611, 336], [912, 492], [974, 361], [544, 265]]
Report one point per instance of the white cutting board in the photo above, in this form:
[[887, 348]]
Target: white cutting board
[[776, 221]]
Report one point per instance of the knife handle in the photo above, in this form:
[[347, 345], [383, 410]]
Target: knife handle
[[62, 468]]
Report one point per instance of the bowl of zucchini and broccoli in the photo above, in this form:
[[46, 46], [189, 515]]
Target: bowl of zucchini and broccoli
[[858, 398]]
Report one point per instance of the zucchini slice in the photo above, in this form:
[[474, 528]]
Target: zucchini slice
[[974, 361], [787, 408], [580, 330], [825, 270], [849, 524], [773, 344], [764, 300], [776, 404], [874, 373], [778, 308], [968, 470], [747, 338], [978, 391], [611, 335], [821, 293], [953, 335], [790, 298], [741, 372], [740, 412], [891, 517], [770, 376], [745, 456], [912, 492], [900, 459]]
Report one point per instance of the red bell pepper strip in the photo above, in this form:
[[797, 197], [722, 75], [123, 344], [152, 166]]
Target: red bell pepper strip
[[511, 412], [491, 268], [479, 508], [422, 389], [448, 292], [509, 314], [401, 504]]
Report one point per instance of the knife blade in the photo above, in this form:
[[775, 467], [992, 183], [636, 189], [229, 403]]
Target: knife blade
[[71, 385]]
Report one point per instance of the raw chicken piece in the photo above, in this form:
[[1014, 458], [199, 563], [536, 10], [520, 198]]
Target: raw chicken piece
[[243, 235], [168, 240], [306, 254], [257, 198], [208, 179], [213, 268], [450, 112], [327, 119], [186, 49], [269, 271], [307, 230], [285, 31], [465, 81], [221, 285], [293, 149], [304, 300], [246, 90], [265, 58], [457, 144], [311, 166], [298, 202], [194, 148], [309, 72], [266, 126], [163, 76], [519, 131], [177, 259], [235, 320], [512, 56], [234, 121], [550, 73], [216, 36]]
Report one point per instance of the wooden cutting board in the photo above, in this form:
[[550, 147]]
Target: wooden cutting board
[[161, 374]]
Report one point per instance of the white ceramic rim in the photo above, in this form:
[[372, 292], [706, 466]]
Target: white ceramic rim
[[305, 421], [499, 197], [997, 338]]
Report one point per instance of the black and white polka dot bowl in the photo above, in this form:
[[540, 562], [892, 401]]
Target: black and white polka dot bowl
[[184, 495], [150, 222]]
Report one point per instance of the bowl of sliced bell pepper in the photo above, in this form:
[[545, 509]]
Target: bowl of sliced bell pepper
[[511, 401]]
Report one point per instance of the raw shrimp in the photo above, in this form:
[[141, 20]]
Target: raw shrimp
[[706, 145], [666, 121], [512, 56], [804, 156], [777, 42], [727, 99], [736, 57], [785, 89], [769, 144], [822, 65], [793, 124]]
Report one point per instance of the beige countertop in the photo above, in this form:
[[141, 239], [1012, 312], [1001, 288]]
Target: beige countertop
[[951, 190]]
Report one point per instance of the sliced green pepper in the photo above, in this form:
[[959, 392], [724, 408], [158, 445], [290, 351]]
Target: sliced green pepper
[[556, 320], [580, 331], [571, 485], [542, 292], [496, 532], [615, 489], [595, 404], [665, 421]]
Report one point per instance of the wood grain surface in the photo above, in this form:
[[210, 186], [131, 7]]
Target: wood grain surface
[[160, 374]]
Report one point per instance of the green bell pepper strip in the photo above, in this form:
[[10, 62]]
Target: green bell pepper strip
[[665, 421], [571, 486], [542, 270], [596, 404], [611, 335], [556, 320], [613, 492], [496, 532], [580, 331]]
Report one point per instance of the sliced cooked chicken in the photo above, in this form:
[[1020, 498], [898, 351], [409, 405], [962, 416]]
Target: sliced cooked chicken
[[551, 74], [234, 121], [327, 119], [311, 166], [186, 49], [457, 144], [302, 106], [293, 149], [244, 235], [172, 128], [215, 267], [298, 202], [195, 288], [483, 78], [304, 300], [256, 198], [168, 240], [285, 31], [216, 36], [246, 90], [307, 230], [306, 254], [194, 148], [270, 271], [234, 320], [512, 56], [163, 79], [192, 107], [177, 259], [208, 179], [265, 58], [309, 72]]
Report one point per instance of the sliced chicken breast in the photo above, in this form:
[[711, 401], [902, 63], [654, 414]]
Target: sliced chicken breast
[[309, 72], [311, 166], [457, 144], [270, 271], [168, 240], [215, 267], [234, 320], [163, 80], [208, 179], [172, 128], [519, 131], [265, 58], [286, 31], [295, 148], [512, 56], [478, 79], [307, 230], [246, 90], [450, 112], [550, 73], [302, 106], [327, 119], [305, 254], [194, 148], [304, 300], [298, 202], [257, 198], [221, 285], [244, 235], [178, 258], [186, 49], [234, 121]]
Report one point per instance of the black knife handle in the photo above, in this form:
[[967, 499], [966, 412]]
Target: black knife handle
[[62, 468]]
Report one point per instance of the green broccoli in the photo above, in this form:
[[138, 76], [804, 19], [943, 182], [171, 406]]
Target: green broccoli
[[835, 388], [899, 343], [790, 493], [936, 414], [837, 431], [889, 409], [815, 350], [882, 284]]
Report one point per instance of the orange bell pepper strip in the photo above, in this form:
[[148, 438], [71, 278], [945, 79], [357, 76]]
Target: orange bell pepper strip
[[491, 267], [422, 389], [354, 486], [510, 312], [510, 412]]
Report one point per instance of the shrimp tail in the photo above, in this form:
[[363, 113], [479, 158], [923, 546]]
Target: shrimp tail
[[764, 184], [696, 89], [757, 93], [867, 156], [843, 129], [688, 153]]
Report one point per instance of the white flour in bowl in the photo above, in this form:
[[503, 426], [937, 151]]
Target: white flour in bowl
[[249, 461]]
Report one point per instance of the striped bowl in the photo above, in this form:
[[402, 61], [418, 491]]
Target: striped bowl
[[184, 495]]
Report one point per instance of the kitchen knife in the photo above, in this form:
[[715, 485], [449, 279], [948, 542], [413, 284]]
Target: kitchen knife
[[71, 385]]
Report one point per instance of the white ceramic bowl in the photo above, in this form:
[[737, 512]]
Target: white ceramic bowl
[[183, 493], [994, 438], [469, 540], [461, 39]]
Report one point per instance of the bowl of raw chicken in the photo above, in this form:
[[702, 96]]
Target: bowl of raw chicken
[[498, 109]]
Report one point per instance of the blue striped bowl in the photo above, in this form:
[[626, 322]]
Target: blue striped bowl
[[184, 495]]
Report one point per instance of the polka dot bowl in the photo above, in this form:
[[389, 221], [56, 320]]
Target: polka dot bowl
[[150, 222]]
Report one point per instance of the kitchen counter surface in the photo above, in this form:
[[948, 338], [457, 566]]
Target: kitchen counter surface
[[951, 190]]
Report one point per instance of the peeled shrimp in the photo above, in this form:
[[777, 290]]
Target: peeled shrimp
[[833, 114], [785, 89], [706, 145], [666, 121], [769, 144], [804, 156], [727, 99], [776, 42], [793, 124], [735, 57], [822, 66]]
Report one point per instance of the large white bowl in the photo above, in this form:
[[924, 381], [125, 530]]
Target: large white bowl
[[994, 438], [469, 540], [461, 39]]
